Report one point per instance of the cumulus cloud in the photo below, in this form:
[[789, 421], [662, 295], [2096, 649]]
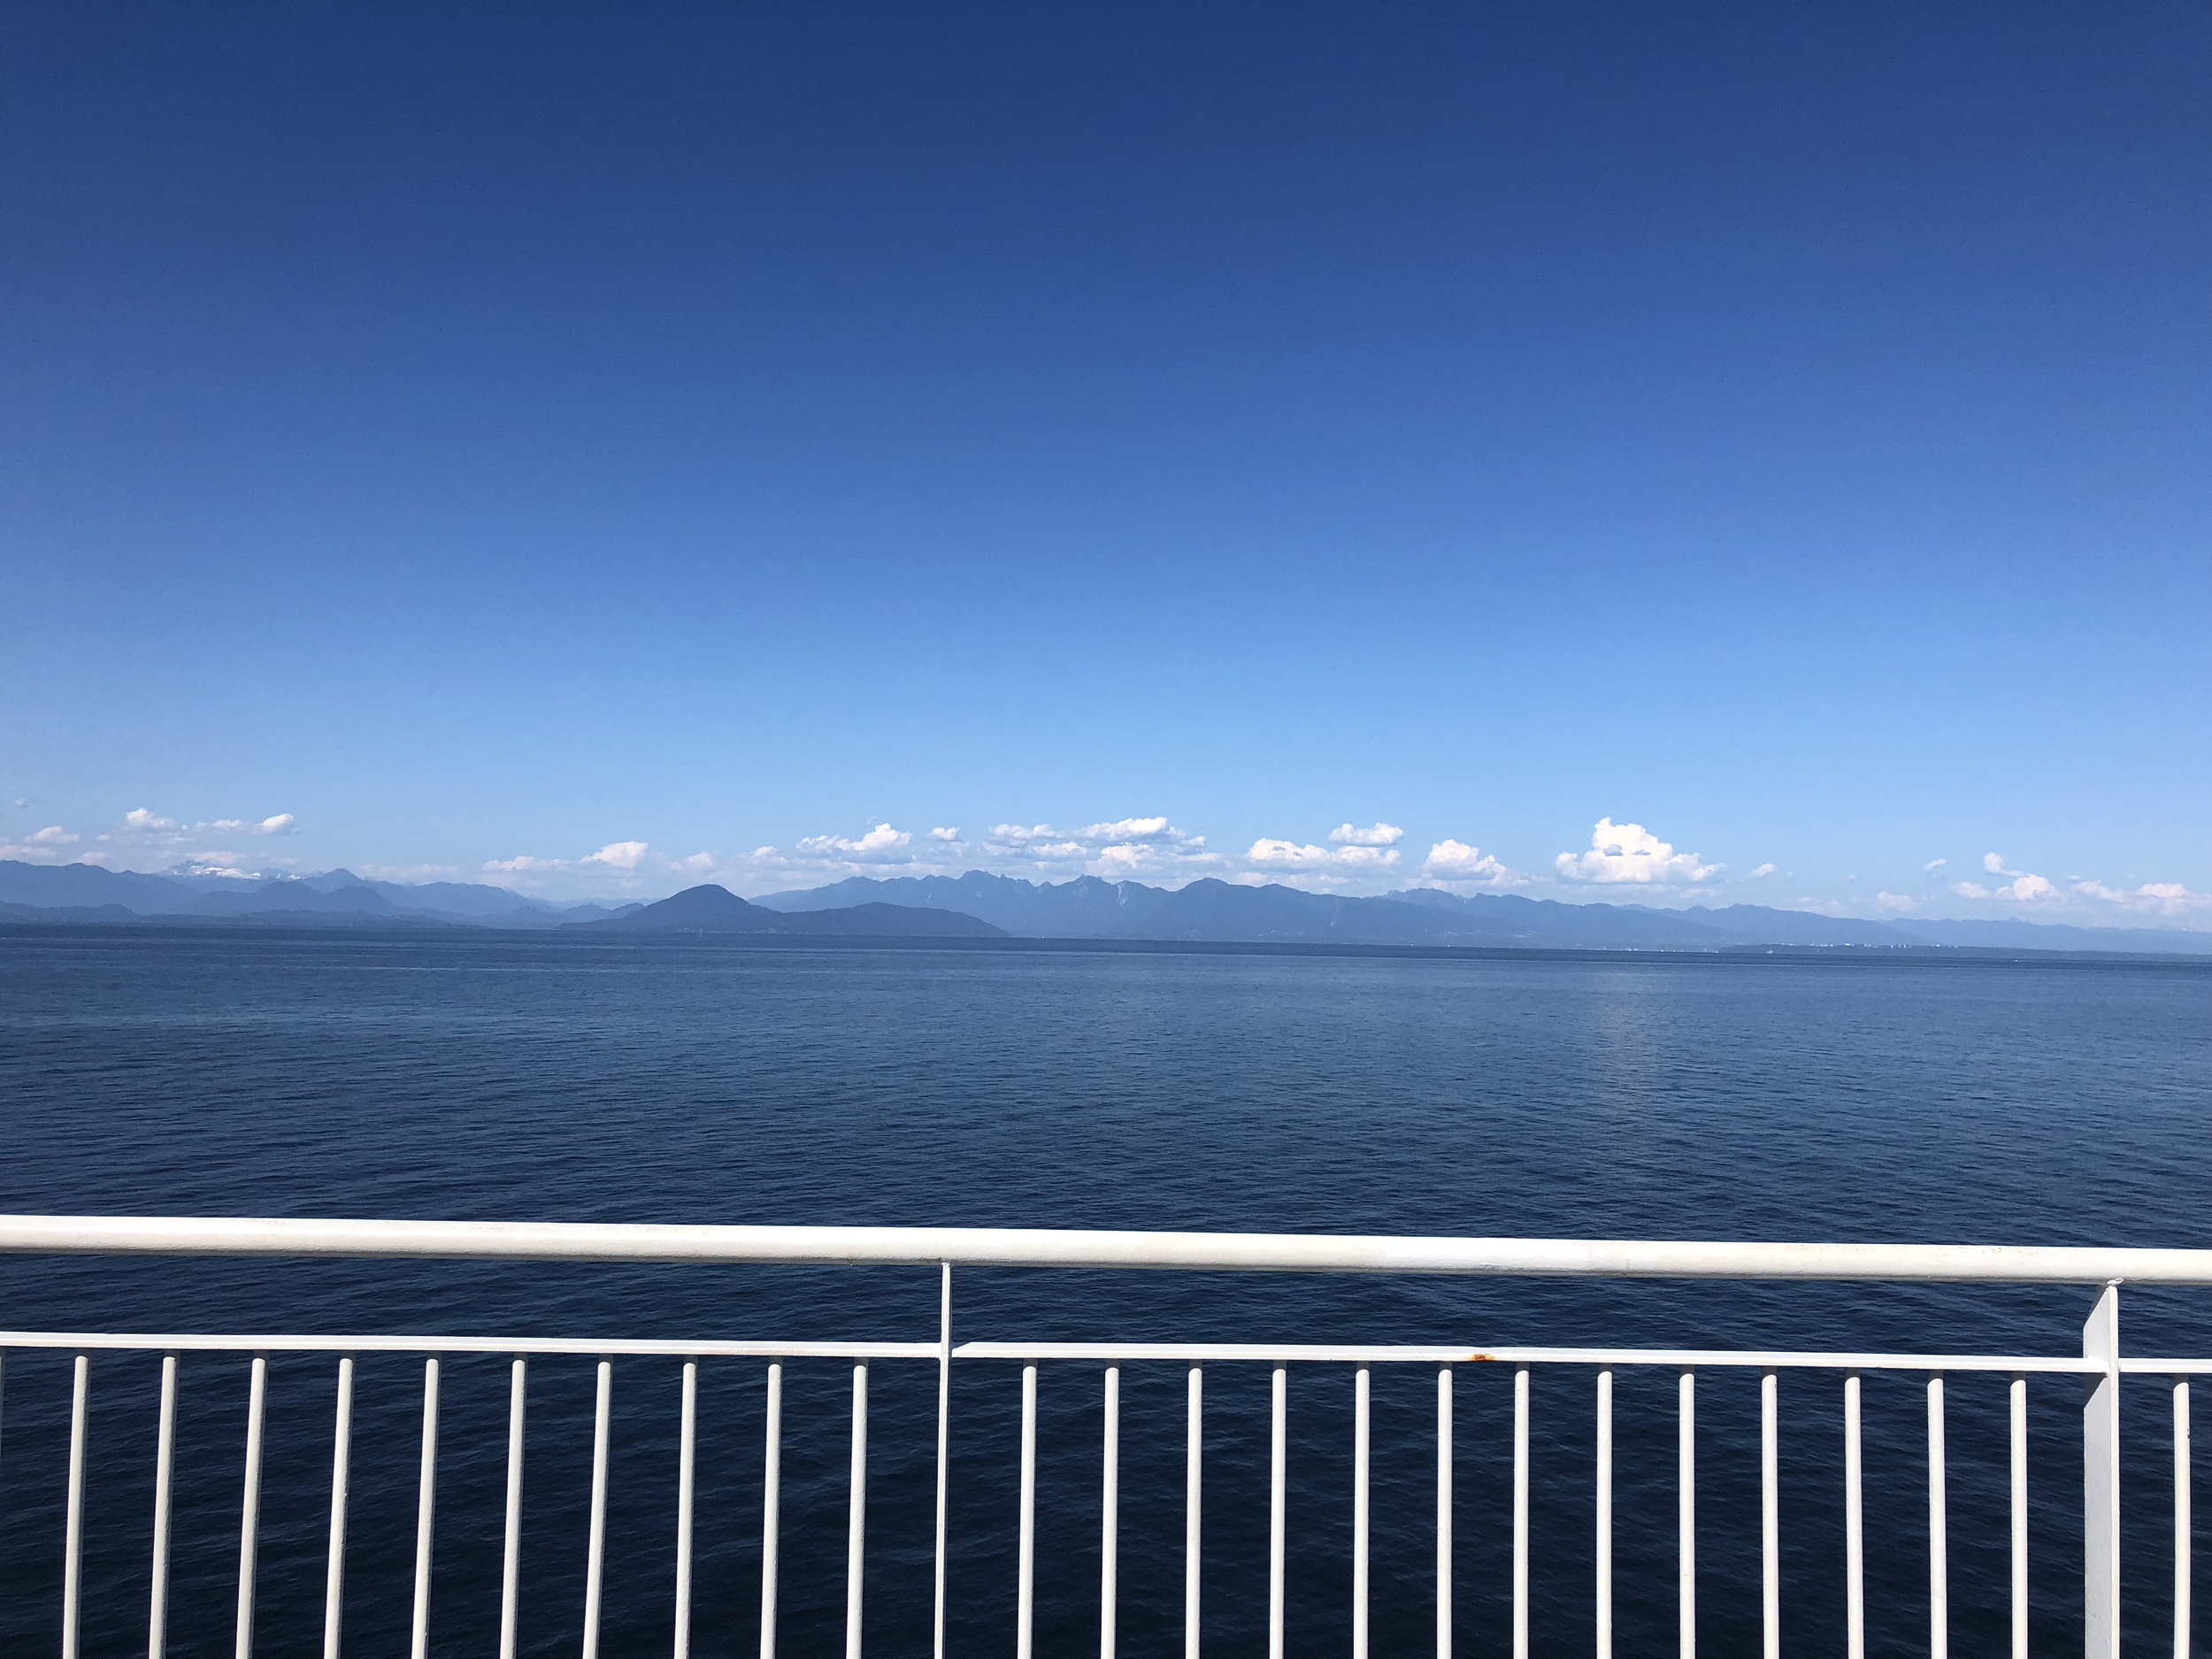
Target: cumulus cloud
[[1629, 853], [1379, 835], [1359, 858], [1764, 870], [2082, 898], [53, 836], [618, 855], [1451, 861], [1138, 848], [2020, 888], [881, 843]]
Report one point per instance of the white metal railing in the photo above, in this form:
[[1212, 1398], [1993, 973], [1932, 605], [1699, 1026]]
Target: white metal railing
[[2099, 1363]]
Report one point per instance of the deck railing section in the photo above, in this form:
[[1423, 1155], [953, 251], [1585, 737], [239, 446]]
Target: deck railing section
[[2100, 1364]]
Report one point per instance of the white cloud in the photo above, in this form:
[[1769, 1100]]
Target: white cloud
[[1362, 858], [2084, 898], [2020, 888], [618, 855], [523, 864], [1128, 830], [1764, 870], [944, 834], [1934, 865], [53, 836], [141, 818], [1455, 862], [1622, 853], [1380, 835], [283, 824], [880, 844], [1897, 903]]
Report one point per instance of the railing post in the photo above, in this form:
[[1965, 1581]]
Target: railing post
[[1770, 1513], [770, 1509], [1193, 1471], [687, 1451], [510, 1551], [341, 1478], [2181, 1517], [1854, 1526], [1444, 1513], [2020, 1517], [944, 1442], [857, 1518], [1110, 1515], [1026, 1563], [72, 1546], [426, 1509], [1360, 1393], [1277, 1496], [164, 1468], [596, 1550], [1605, 1516], [250, 1507], [1520, 1512], [1685, 1514], [1939, 1529], [2101, 1481]]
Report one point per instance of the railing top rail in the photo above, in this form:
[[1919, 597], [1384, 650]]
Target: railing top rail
[[990, 1246]]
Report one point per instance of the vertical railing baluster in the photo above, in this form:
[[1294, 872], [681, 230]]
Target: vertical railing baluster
[[1854, 1526], [857, 1517], [2020, 1516], [1686, 1519], [250, 1517], [1110, 1515], [1026, 1566], [1360, 1392], [340, 1481], [2181, 1517], [1605, 1517], [511, 1555], [1520, 1512], [73, 1535], [596, 1554], [1279, 1460], [1444, 1513], [1939, 1531], [686, 1442], [771, 1510], [164, 1478], [944, 1445], [2101, 1480], [1192, 1464], [426, 1508], [1770, 1512]]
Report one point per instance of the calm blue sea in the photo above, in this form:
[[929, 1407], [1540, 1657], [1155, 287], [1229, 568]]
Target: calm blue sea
[[2060, 1101]]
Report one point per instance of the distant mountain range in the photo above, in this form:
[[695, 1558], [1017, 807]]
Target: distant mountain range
[[86, 893], [1090, 907], [713, 910], [981, 906]]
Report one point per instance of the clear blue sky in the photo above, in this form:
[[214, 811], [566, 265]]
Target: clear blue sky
[[491, 433]]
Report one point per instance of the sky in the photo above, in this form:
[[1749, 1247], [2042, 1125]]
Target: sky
[[1685, 454]]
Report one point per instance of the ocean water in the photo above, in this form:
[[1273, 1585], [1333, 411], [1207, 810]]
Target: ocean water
[[2060, 1101]]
